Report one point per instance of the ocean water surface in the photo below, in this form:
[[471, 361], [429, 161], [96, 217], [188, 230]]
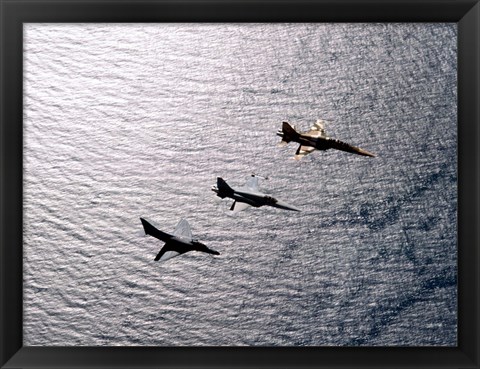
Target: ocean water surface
[[123, 121]]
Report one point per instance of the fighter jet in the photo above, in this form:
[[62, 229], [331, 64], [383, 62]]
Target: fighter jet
[[178, 243], [248, 195], [315, 139]]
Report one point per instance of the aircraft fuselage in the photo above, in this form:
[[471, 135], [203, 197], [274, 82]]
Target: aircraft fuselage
[[257, 200], [320, 143], [183, 245], [253, 199]]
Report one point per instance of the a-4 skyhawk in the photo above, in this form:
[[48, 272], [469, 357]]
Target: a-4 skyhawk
[[315, 139], [178, 243], [248, 195]]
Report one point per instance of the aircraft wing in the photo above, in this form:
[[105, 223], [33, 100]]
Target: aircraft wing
[[166, 254], [303, 151], [252, 184], [183, 229], [238, 206], [317, 130]]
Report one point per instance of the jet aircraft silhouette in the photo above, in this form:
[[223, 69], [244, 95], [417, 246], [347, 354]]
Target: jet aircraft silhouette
[[178, 243], [315, 139], [248, 195]]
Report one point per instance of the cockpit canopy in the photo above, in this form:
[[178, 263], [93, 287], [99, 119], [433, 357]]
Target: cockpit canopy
[[270, 200]]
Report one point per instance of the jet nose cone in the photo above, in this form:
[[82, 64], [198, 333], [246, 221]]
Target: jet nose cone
[[210, 251], [284, 205]]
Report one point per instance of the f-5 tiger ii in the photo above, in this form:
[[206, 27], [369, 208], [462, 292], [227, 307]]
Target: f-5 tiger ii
[[315, 139]]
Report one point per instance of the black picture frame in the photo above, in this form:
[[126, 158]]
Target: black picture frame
[[466, 13]]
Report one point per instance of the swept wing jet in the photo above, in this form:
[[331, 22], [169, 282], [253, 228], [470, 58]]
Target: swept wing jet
[[315, 139], [248, 195], [178, 243]]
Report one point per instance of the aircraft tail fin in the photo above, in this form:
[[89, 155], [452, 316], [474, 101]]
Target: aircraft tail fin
[[288, 133], [154, 232], [223, 189]]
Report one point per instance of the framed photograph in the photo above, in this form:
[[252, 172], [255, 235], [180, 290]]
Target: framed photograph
[[239, 184]]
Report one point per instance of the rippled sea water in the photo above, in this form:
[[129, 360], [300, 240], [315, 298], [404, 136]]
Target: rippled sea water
[[123, 121]]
